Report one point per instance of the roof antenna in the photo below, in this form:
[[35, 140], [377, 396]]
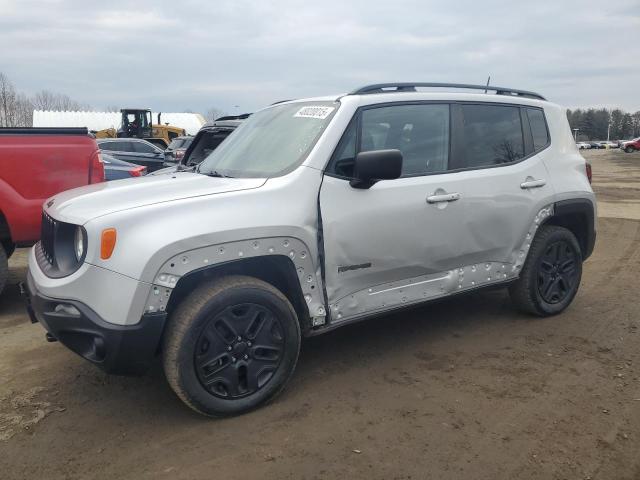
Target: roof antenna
[[488, 80]]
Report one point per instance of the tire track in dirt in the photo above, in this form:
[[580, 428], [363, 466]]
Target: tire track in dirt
[[626, 252]]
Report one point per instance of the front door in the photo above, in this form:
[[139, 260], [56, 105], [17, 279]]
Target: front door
[[459, 203]]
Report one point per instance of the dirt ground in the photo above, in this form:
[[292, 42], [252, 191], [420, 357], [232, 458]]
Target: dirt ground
[[465, 388]]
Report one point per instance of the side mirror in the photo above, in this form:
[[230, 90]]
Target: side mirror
[[376, 165]]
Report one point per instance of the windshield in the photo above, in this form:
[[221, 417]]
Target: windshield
[[271, 142]]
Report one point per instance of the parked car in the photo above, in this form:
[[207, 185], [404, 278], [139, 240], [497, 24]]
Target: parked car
[[116, 169], [631, 145], [597, 145], [205, 141], [583, 145], [175, 150], [36, 164], [315, 214], [133, 150]]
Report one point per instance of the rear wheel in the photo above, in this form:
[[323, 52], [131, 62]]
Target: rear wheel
[[231, 346], [551, 274]]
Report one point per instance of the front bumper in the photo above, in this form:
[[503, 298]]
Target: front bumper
[[118, 349]]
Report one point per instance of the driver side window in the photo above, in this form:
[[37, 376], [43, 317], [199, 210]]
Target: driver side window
[[419, 131]]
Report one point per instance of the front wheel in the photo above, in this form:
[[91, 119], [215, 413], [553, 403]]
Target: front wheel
[[629, 149], [551, 274], [231, 345]]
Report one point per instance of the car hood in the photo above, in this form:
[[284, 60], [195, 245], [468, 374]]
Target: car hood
[[85, 203]]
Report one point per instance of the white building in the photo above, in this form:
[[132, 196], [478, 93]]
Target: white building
[[191, 122]]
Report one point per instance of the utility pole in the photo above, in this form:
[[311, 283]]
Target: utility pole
[[575, 134]]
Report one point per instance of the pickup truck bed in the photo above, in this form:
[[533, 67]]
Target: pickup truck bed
[[36, 164]]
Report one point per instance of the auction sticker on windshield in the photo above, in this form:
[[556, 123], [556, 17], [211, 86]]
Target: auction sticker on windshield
[[314, 112]]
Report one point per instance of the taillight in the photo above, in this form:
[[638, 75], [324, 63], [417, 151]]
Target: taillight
[[96, 169], [138, 171], [588, 168]]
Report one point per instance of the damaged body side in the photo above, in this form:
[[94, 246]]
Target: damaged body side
[[431, 286]]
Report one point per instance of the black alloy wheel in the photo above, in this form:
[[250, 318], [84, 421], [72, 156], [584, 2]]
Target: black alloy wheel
[[231, 345], [239, 350], [557, 272], [551, 274]]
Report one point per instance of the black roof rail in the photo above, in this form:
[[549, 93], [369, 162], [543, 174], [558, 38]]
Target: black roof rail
[[411, 87]]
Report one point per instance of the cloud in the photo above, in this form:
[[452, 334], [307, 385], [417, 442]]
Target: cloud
[[198, 54]]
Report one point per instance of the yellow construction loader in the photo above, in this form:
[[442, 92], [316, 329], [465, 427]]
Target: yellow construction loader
[[137, 123]]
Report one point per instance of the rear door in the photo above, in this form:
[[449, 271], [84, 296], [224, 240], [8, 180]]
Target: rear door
[[459, 203]]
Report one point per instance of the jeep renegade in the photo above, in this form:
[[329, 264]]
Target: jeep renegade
[[314, 214]]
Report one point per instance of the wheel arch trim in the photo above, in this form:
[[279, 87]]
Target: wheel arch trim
[[212, 259], [578, 216]]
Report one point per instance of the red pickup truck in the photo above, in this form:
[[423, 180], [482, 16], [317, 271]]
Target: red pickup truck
[[35, 164]]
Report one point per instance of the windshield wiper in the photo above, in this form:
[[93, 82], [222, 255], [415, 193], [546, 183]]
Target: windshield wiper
[[215, 173]]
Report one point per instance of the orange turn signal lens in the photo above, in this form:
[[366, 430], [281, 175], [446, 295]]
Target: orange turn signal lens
[[107, 243]]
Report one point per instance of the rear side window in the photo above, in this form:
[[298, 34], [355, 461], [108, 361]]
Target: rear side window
[[119, 146], [180, 143], [206, 144], [539, 130], [488, 135], [142, 147]]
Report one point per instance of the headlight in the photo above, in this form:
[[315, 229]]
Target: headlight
[[78, 243]]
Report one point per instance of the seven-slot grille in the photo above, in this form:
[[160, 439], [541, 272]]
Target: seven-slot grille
[[47, 237]]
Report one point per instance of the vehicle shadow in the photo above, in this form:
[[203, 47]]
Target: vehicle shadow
[[411, 329], [328, 357], [381, 339]]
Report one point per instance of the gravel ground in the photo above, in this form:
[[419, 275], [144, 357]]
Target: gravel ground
[[466, 388]]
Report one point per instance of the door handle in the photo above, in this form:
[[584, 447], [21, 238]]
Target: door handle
[[533, 184], [445, 197]]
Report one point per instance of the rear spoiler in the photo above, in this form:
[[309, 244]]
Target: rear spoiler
[[45, 131], [233, 117]]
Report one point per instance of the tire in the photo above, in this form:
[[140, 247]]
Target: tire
[[9, 249], [629, 149], [551, 274], [4, 268], [231, 346]]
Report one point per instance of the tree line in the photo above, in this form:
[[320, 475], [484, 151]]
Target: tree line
[[593, 123], [16, 108]]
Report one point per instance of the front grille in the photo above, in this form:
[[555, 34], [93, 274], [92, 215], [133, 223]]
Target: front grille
[[47, 237]]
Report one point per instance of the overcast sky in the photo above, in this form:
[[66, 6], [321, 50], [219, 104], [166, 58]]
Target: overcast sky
[[171, 56]]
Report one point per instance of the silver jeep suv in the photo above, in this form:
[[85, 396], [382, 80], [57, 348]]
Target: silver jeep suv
[[315, 214]]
